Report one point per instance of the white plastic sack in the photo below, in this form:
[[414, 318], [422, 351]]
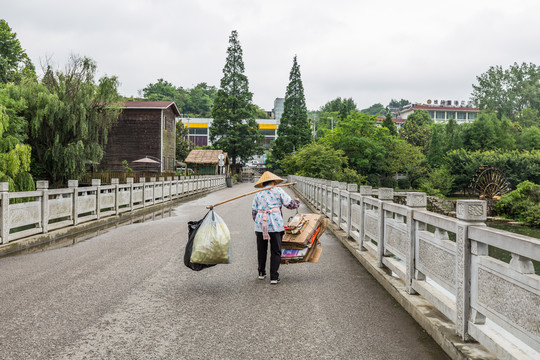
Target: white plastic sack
[[211, 244]]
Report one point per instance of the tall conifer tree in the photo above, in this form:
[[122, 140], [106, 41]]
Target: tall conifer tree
[[294, 128], [234, 129]]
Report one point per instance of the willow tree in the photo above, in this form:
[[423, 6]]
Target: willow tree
[[14, 155], [294, 130], [69, 116], [234, 129]]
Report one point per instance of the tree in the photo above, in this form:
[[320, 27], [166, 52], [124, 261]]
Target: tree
[[528, 117], [294, 128], [530, 139], [416, 130], [163, 90], [342, 107], [14, 62], [435, 155], [234, 128], [389, 124], [452, 136], [183, 144], [200, 100], [362, 141], [394, 104], [69, 117], [488, 132], [403, 158], [320, 161], [508, 91], [14, 155], [375, 109]]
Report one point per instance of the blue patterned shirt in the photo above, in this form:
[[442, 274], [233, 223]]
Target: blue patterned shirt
[[267, 200]]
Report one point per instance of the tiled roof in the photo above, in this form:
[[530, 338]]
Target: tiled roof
[[205, 156], [152, 105]]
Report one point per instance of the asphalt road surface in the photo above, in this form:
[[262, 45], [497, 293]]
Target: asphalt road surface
[[126, 294]]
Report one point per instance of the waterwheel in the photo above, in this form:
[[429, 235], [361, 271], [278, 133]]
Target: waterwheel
[[489, 182]]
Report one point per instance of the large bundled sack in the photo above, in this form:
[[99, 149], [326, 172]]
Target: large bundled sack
[[301, 240], [209, 242]]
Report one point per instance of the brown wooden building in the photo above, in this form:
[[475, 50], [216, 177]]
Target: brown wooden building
[[145, 130]]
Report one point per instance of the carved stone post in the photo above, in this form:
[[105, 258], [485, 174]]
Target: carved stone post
[[116, 183], [342, 189], [4, 214], [97, 184], [43, 186], [469, 212], [334, 185], [153, 181], [175, 179], [129, 181], [415, 200], [385, 195], [350, 188], [365, 191], [74, 185], [143, 183]]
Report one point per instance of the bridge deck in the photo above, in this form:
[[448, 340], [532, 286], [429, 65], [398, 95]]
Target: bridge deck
[[126, 294]]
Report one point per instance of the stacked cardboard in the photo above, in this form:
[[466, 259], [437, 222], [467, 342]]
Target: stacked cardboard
[[301, 240]]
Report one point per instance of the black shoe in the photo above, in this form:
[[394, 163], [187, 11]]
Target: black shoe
[[274, 282], [262, 276]]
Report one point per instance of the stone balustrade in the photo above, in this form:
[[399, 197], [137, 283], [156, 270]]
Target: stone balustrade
[[28, 213], [446, 260]]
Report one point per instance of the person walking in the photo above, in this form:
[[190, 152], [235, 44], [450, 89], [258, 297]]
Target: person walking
[[269, 225]]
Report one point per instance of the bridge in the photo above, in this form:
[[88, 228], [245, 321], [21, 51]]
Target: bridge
[[125, 293]]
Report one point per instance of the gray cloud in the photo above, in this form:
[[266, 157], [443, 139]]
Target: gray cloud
[[369, 51]]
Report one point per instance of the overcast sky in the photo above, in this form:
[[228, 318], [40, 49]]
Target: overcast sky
[[372, 51]]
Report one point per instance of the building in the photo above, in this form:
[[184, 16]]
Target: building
[[199, 130], [145, 131], [207, 162], [443, 110]]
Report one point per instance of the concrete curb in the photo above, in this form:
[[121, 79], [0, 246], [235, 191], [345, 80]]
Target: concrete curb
[[74, 234], [437, 325]]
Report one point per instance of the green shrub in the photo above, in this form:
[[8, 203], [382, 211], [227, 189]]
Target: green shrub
[[374, 180], [522, 204], [389, 182], [404, 184]]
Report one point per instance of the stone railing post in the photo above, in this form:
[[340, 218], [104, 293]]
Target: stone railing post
[[4, 214], [385, 195], [415, 200], [175, 179], [333, 185], [342, 188], [350, 188], [162, 184], [469, 212], [74, 185], [43, 186], [143, 182], [153, 181], [97, 184], [116, 183], [365, 191], [129, 181]]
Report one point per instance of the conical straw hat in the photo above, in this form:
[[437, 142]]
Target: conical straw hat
[[267, 176]]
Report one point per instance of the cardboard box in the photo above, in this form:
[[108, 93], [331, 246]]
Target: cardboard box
[[308, 240]]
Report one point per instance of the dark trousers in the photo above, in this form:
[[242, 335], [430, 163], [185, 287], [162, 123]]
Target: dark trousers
[[275, 253]]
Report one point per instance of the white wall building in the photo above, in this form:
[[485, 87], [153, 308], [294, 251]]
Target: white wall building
[[443, 110]]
